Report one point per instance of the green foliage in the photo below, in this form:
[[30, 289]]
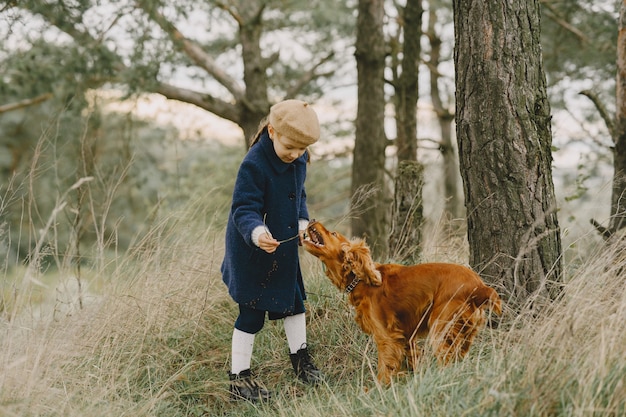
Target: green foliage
[[579, 38], [579, 44], [126, 44], [138, 171], [117, 152]]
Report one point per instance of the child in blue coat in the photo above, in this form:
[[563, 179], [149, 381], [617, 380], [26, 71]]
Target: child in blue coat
[[267, 217]]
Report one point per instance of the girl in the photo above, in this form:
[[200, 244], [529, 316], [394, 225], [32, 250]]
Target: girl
[[267, 217]]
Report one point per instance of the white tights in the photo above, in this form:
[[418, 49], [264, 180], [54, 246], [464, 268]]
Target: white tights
[[243, 343]]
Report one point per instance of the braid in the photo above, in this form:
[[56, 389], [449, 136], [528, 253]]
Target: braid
[[262, 127]]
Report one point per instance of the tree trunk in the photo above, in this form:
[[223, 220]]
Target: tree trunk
[[504, 134], [406, 214], [618, 198], [406, 84], [453, 205], [256, 105], [369, 203], [407, 217], [451, 177]]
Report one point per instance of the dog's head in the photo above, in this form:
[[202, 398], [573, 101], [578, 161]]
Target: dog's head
[[344, 258]]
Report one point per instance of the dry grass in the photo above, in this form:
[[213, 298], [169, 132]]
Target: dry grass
[[153, 339]]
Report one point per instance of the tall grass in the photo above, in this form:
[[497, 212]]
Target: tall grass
[[155, 341], [147, 333]]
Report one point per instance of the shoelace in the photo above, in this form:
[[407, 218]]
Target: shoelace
[[306, 363]]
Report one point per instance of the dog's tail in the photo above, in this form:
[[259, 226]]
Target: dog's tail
[[487, 297]]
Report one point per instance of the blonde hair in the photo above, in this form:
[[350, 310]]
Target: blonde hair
[[262, 126]]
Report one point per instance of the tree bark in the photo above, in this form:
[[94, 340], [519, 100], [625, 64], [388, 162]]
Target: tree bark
[[5, 108], [504, 135], [369, 205], [452, 194], [618, 197], [255, 105], [406, 85], [407, 216]]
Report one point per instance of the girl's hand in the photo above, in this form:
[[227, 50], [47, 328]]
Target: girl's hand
[[268, 243]]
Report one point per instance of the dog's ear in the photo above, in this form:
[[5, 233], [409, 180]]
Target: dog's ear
[[358, 259], [487, 296]]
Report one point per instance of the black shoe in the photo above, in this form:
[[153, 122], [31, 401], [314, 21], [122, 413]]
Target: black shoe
[[304, 367], [243, 387]]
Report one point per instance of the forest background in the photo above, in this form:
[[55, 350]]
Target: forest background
[[114, 200]]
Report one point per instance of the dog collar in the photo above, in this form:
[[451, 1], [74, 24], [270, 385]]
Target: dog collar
[[352, 285]]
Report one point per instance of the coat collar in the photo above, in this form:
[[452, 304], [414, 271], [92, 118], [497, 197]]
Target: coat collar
[[277, 164]]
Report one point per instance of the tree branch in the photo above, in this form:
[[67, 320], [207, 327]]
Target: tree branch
[[231, 11], [603, 231], [207, 102], [604, 113], [308, 76], [195, 52], [554, 15], [25, 103]]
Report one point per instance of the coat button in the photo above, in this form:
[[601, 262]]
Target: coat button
[[292, 196]]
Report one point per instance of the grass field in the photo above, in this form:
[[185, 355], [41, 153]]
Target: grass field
[[153, 339]]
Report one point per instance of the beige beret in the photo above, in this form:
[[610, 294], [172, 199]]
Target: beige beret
[[296, 120]]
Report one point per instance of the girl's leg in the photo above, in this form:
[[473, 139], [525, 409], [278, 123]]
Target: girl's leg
[[242, 385], [248, 324], [295, 329], [242, 346]]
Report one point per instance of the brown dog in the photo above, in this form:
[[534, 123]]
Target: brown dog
[[399, 304]]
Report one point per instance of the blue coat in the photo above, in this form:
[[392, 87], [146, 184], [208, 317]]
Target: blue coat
[[266, 188]]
